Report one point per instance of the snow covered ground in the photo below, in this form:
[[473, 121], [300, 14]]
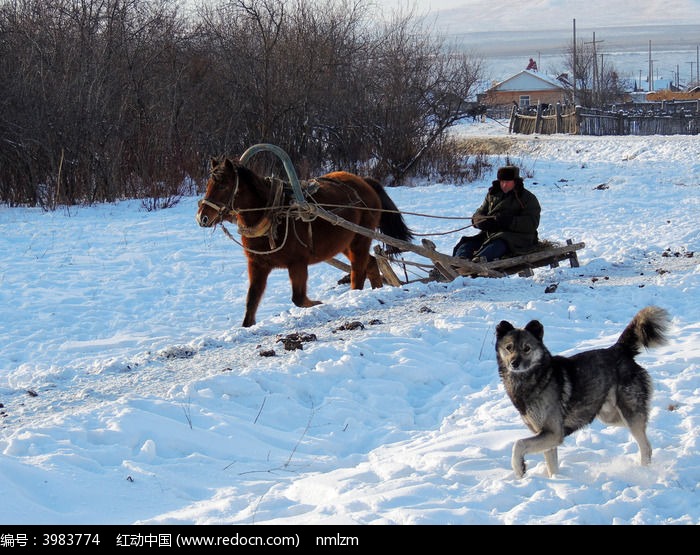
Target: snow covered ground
[[130, 393]]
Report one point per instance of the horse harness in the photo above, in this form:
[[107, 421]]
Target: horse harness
[[289, 209], [280, 206]]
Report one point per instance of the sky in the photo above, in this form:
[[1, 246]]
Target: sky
[[130, 393]]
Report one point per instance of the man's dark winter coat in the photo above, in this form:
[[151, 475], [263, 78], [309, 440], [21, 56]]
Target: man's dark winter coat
[[523, 206]]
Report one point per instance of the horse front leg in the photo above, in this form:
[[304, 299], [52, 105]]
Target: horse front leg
[[298, 276], [257, 278]]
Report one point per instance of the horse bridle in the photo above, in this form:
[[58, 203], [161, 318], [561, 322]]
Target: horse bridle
[[222, 209]]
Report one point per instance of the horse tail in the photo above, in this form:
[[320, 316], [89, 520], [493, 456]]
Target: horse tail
[[391, 222]]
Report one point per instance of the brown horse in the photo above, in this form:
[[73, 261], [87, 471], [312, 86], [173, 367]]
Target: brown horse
[[275, 233]]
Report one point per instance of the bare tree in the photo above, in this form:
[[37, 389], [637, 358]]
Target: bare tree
[[92, 91], [109, 99]]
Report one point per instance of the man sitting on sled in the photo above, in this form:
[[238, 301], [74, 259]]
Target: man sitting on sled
[[507, 221]]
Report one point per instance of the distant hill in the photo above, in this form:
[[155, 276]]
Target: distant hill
[[542, 15], [673, 48]]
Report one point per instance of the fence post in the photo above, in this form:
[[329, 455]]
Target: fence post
[[560, 120], [578, 118], [538, 118], [512, 128]]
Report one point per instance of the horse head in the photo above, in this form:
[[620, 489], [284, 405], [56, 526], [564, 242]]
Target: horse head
[[218, 203]]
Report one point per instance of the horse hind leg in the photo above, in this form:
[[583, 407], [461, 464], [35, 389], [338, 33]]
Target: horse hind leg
[[298, 276], [373, 273], [363, 265]]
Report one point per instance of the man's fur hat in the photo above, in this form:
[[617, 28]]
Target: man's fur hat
[[508, 173]]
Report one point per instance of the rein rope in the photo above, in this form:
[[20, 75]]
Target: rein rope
[[276, 210]]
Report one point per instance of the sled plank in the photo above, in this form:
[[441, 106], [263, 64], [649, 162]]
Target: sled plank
[[385, 268], [388, 275], [469, 266], [448, 273]]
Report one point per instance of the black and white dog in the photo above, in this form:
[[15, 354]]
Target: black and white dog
[[557, 395]]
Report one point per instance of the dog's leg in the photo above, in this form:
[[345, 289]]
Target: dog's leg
[[637, 428], [552, 460], [634, 412], [546, 441], [637, 425]]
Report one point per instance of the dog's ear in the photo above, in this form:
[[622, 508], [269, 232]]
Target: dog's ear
[[503, 328], [535, 328]]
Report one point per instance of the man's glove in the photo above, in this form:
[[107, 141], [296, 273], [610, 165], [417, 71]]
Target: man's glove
[[484, 223]]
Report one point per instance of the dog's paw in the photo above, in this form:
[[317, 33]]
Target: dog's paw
[[519, 466], [517, 459]]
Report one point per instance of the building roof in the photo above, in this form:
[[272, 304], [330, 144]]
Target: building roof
[[528, 80]]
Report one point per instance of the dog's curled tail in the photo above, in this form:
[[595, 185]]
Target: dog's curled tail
[[647, 329]]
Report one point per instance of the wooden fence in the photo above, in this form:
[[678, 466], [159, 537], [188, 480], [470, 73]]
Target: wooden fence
[[658, 118]]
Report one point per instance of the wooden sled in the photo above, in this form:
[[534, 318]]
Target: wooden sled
[[441, 267], [545, 255]]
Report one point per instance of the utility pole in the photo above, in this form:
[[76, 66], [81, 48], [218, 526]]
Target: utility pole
[[691, 73], [601, 81], [573, 66], [650, 76], [596, 78]]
